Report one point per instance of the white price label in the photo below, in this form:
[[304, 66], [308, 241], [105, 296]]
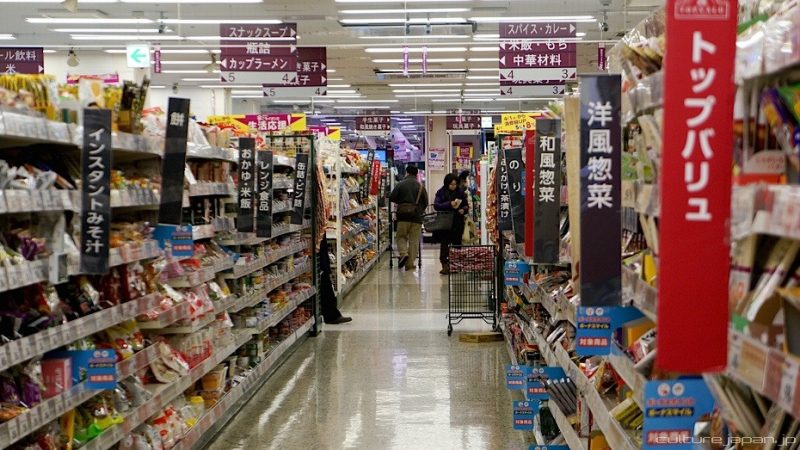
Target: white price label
[[66, 199], [59, 406], [13, 430], [14, 352], [3, 280], [23, 424], [3, 207], [36, 201], [4, 361], [35, 418]]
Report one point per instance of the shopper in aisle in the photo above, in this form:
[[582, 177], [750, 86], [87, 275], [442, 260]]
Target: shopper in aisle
[[330, 311], [450, 198], [411, 199]]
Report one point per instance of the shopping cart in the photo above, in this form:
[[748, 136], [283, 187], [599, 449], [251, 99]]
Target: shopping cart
[[471, 285]]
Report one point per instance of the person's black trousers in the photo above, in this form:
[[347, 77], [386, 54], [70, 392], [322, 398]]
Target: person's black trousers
[[448, 238]]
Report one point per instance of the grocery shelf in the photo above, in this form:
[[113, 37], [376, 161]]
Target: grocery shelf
[[194, 151], [573, 440], [282, 207], [357, 210], [331, 234], [358, 276], [196, 278], [507, 340], [200, 232], [196, 325], [279, 314], [282, 160], [248, 300], [240, 238], [201, 189], [167, 318], [625, 368], [355, 252], [140, 360], [128, 253], [637, 292], [283, 184], [230, 403]]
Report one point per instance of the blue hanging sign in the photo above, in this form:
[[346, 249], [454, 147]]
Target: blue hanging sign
[[596, 325], [672, 408], [524, 413], [178, 238], [515, 376], [514, 272], [548, 447], [98, 366], [535, 389]]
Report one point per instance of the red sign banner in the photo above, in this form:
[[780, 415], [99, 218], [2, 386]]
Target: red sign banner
[[695, 191], [269, 122], [376, 177], [530, 204]]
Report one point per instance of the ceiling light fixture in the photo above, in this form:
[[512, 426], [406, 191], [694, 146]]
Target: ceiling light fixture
[[335, 86], [440, 94], [400, 50], [179, 63], [72, 58], [495, 59], [7, 37], [247, 96], [222, 86], [422, 36], [423, 91], [526, 99], [368, 101], [483, 69], [107, 30], [405, 21], [404, 11], [483, 77], [342, 92], [417, 60], [496, 83], [127, 37], [85, 20], [485, 49], [218, 21], [398, 1], [363, 107], [415, 85], [510, 18], [188, 71]]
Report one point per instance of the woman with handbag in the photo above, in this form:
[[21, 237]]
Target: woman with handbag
[[450, 199]]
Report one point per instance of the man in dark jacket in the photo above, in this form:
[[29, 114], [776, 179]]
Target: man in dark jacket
[[409, 229]]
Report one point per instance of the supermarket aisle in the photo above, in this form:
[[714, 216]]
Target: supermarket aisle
[[390, 379]]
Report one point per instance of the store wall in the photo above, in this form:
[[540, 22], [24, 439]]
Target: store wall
[[437, 138]]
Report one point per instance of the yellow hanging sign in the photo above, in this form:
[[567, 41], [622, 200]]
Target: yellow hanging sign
[[520, 121]]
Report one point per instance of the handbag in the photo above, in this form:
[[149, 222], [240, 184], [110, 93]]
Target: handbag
[[438, 221], [408, 211]]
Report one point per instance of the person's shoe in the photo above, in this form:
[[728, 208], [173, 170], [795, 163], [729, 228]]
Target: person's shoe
[[411, 268], [445, 269], [402, 261], [339, 320]]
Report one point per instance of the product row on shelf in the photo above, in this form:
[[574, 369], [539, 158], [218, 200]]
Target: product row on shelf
[[592, 371]]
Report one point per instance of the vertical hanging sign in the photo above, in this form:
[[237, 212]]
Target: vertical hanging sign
[[424, 60], [405, 60], [300, 187], [601, 57], [530, 179], [601, 197], [513, 159], [547, 191], [366, 185], [171, 205], [504, 203], [264, 171], [245, 220], [695, 186], [375, 177], [95, 190], [157, 59]]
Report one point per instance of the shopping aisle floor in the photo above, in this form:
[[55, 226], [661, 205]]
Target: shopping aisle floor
[[391, 379]]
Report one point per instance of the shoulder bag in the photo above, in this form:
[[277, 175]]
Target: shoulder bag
[[407, 212]]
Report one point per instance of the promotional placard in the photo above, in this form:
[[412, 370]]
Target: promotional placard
[[301, 170], [596, 325], [96, 190], [375, 176], [514, 272], [504, 191], [437, 159], [601, 196], [696, 186], [264, 172], [535, 387], [177, 240], [245, 220], [547, 192], [513, 156], [524, 413], [365, 187], [174, 161], [672, 407], [275, 123], [515, 376], [98, 366]]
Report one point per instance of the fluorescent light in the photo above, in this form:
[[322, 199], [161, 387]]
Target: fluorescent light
[[394, 112], [472, 90], [458, 70], [484, 49], [536, 99], [335, 86], [533, 19], [496, 83], [217, 21], [495, 59], [423, 91], [418, 60], [246, 92], [485, 36], [50, 51], [187, 71], [403, 21], [423, 36], [189, 1], [477, 99], [361, 107], [7, 37], [494, 93], [483, 77], [398, 1], [446, 100], [580, 34], [368, 101], [181, 63], [415, 85], [427, 95], [483, 69], [126, 37], [334, 79], [247, 96], [304, 101], [403, 10], [105, 30], [86, 20], [342, 92], [329, 70], [223, 86], [400, 50]]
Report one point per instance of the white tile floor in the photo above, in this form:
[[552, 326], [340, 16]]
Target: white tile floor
[[391, 379]]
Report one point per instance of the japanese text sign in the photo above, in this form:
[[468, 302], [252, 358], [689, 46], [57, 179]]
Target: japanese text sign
[[275, 123], [246, 185], [96, 190], [258, 53], [310, 79], [513, 158], [375, 177], [535, 382], [672, 407], [301, 172], [174, 160], [177, 240], [695, 185], [276, 32], [515, 376], [530, 68], [99, 367], [366, 185], [519, 121], [600, 191], [595, 327], [547, 191], [27, 60], [373, 125], [534, 30], [524, 414], [514, 272], [463, 121], [504, 197], [264, 172]]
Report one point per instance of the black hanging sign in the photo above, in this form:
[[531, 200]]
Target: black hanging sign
[[547, 191], [368, 175], [504, 191], [300, 187], [264, 171], [601, 192], [172, 166], [95, 190], [245, 219]]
